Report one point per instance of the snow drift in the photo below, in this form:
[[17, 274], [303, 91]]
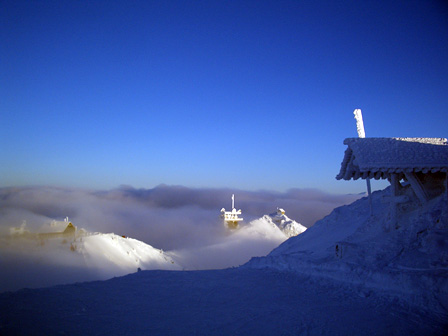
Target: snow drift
[[349, 245]]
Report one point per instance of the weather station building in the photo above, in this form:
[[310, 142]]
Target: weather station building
[[231, 218]]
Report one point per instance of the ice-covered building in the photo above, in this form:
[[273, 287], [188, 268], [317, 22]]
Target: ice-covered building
[[231, 218], [288, 226], [421, 163]]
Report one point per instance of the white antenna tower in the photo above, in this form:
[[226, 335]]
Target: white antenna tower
[[231, 217], [359, 123]]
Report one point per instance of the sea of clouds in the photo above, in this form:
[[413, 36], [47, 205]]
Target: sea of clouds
[[179, 220], [167, 217]]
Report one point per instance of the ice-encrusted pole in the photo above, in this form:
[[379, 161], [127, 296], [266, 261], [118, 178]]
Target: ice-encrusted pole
[[362, 134], [359, 123]]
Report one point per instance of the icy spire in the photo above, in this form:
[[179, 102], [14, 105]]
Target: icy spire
[[359, 123]]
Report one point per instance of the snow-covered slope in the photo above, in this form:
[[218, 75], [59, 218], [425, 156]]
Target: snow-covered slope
[[120, 254], [33, 261], [410, 257], [233, 301]]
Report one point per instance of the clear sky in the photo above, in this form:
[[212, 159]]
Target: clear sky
[[240, 94]]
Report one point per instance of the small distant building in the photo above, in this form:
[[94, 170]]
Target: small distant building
[[421, 162], [65, 229], [70, 229], [231, 218]]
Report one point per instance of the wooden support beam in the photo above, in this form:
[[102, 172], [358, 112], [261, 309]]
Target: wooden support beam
[[417, 186], [369, 192], [394, 186]]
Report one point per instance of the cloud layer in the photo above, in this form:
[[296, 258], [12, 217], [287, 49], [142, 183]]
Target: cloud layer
[[183, 221], [167, 217]]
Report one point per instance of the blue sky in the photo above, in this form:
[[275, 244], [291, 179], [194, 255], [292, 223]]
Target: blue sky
[[240, 94]]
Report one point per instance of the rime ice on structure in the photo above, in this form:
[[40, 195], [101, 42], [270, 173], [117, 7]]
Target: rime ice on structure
[[56, 229], [421, 163], [359, 123], [381, 158], [288, 226], [231, 217]]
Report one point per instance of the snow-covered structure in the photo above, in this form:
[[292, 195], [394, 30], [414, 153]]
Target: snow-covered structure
[[381, 158], [422, 163], [231, 217], [60, 229], [288, 226], [54, 229]]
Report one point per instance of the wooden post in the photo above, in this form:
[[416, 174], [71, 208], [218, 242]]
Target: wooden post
[[393, 205], [369, 192], [417, 187]]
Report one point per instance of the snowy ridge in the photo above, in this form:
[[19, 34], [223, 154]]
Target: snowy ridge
[[84, 257], [122, 255], [351, 246]]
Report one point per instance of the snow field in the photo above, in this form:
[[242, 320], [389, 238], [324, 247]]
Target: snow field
[[221, 302]]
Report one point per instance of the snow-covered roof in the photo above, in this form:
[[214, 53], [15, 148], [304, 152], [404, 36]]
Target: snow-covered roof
[[378, 158]]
